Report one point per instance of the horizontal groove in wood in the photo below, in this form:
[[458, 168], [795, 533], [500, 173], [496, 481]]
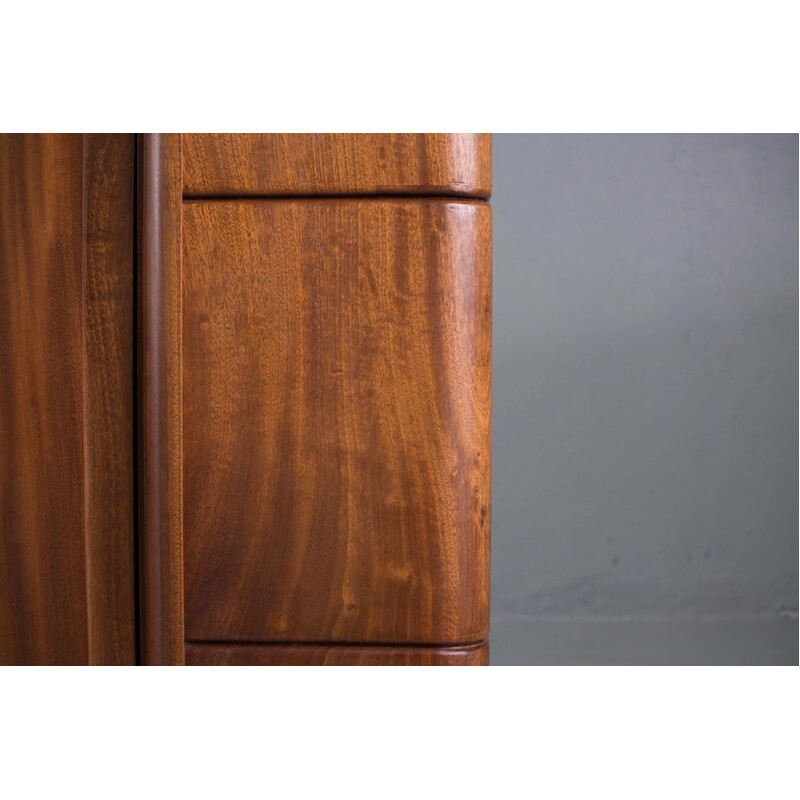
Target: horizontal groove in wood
[[340, 163], [279, 643], [294, 654], [210, 198]]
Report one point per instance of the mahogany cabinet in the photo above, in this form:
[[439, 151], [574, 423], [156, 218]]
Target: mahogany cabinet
[[67, 448], [246, 378]]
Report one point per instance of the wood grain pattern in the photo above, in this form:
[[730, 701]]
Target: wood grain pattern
[[42, 565], [109, 397], [160, 399], [66, 423], [338, 163], [337, 420], [342, 656]]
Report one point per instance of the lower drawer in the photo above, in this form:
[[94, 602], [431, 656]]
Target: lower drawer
[[301, 655], [336, 421]]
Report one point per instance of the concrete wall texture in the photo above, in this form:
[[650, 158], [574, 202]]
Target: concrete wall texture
[[645, 375]]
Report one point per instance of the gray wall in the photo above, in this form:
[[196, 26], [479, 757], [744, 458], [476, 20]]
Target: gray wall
[[645, 375]]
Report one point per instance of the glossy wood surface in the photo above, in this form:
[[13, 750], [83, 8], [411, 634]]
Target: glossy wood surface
[[338, 163], [343, 656], [160, 452], [66, 402], [337, 420]]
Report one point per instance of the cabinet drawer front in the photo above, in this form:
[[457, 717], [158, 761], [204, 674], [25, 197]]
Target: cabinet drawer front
[[336, 420], [337, 163]]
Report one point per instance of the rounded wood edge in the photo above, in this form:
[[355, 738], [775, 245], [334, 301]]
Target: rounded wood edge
[[161, 535], [258, 165]]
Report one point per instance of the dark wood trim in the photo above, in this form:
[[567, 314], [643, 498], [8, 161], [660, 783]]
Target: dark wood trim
[[161, 560]]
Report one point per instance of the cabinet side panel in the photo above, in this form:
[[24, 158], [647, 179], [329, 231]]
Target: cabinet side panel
[[338, 164], [43, 602]]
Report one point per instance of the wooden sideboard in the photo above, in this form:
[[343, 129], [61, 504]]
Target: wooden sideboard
[[246, 379]]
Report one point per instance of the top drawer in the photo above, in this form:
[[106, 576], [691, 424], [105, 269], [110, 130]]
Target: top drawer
[[238, 164]]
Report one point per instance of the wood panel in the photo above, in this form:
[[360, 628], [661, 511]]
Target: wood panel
[[110, 167], [336, 420], [161, 542], [42, 566], [66, 418], [342, 656], [338, 163]]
